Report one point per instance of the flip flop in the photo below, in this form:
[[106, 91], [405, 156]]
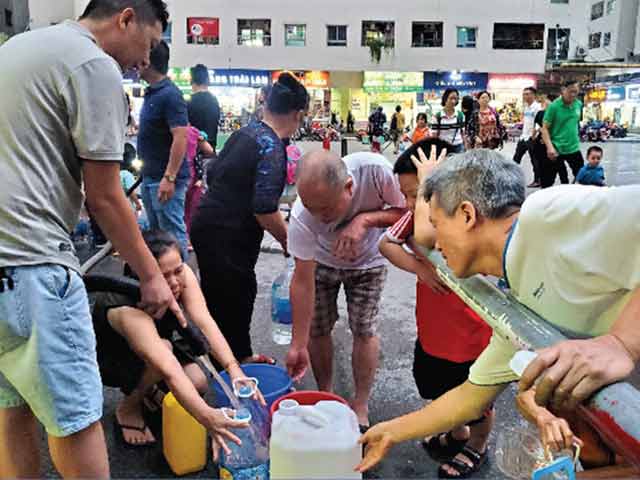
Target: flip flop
[[119, 431], [442, 452], [258, 358]]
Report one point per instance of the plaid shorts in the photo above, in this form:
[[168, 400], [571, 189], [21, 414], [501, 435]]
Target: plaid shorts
[[363, 289]]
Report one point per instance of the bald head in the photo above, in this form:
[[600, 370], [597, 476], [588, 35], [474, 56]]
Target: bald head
[[322, 167]]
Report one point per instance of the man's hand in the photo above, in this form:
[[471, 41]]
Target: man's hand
[[379, 441], [348, 241], [428, 275], [297, 362], [552, 153], [219, 425], [573, 370], [156, 297], [427, 165], [166, 190]]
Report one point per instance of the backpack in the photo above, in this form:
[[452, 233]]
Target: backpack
[[459, 123], [293, 157], [394, 122]]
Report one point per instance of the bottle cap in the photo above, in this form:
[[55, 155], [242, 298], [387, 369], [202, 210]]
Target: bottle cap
[[521, 361], [288, 407], [245, 391], [243, 415]]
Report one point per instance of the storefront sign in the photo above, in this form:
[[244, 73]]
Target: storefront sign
[[633, 92], [615, 94], [203, 30], [511, 81], [393, 81], [223, 77], [462, 81], [310, 79], [596, 95]]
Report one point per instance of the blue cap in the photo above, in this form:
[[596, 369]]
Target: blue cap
[[243, 415], [245, 391]]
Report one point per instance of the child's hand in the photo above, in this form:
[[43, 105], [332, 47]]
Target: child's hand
[[426, 165], [428, 275], [555, 433]]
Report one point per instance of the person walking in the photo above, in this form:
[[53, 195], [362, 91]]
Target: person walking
[[162, 146], [397, 128], [203, 107], [376, 128], [62, 136], [561, 136], [485, 129], [335, 226], [245, 184], [448, 124], [531, 109], [538, 150]]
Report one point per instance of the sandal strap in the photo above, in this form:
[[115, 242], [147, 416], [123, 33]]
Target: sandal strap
[[473, 455], [131, 427]]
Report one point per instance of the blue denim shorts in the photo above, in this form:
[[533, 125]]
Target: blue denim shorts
[[48, 348]]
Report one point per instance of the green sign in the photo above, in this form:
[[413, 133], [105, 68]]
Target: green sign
[[393, 81]]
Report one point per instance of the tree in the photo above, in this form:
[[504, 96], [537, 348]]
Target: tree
[[3, 37]]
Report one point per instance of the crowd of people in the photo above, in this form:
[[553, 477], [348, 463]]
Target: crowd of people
[[62, 134]]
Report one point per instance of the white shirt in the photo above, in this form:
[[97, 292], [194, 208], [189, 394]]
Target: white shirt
[[528, 123], [574, 259]]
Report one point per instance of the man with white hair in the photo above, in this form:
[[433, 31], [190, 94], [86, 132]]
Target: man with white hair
[[336, 224]]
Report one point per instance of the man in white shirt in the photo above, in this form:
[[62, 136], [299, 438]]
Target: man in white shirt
[[342, 211], [570, 254], [531, 109]]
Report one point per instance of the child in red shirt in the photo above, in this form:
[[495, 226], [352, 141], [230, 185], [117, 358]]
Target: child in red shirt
[[450, 335]]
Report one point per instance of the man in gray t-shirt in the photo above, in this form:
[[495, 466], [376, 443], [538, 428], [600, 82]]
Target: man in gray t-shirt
[[62, 126], [335, 227]]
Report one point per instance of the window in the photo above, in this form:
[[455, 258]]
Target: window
[[336, 35], [594, 40], [426, 34], [607, 39], [559, 1], [466, 37], [597, 10], [8, 17], [295, 35], [203, 31], [381, 31], [254, 32], [611, 5], [558, 44], [518, 36], [166, 35]]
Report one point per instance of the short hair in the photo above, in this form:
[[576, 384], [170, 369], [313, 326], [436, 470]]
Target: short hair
[[483, 177], [159, 58], [200, 75], [552, 96], [568, 83], [423, 116], [532, 90], [287, 95], [398, 108], [404, 164], [160, 242], [595, 148], [482, 93], [147, 11], [332, 171], [447, 93]]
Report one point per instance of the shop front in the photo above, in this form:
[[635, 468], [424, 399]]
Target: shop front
[[507, 93], [633, 105], [317, 84], [388, 90], [435, 84], [614, 103]]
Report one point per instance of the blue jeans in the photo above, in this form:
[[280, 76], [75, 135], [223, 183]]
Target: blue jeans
[[48, 348], [167, 216]]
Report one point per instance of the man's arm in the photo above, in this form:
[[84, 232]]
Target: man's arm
[[425, 234], [546, 138], [274, 224], [303, 300], [178, 152], [456, 407], [111, 209]]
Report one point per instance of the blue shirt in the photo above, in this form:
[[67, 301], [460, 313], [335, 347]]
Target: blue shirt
[[248, 178], [164, 108], [591, 175]]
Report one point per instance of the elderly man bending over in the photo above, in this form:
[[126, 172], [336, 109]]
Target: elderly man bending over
[[335, 226], [570, 254]]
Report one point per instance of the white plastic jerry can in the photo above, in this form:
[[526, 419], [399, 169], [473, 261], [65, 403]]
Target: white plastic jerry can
[[314, 442]]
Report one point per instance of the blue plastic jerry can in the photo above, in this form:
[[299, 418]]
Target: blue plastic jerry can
[[562, 465]]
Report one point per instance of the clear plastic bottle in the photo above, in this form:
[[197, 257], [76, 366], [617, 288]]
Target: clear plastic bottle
[[249, 461], [281, 305], [261, 424]]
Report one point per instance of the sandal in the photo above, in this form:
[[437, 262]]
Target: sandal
[[443, 447], [476, 458], [153, 399], [119, 429], [260, 359]]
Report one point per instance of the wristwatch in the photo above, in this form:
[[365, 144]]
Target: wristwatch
[[170, 178]]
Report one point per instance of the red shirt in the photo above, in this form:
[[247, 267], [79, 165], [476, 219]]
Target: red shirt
[[447, 327]]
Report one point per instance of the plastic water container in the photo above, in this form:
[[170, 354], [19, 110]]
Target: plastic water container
[[274, 382], [314, 441], [184, 440], [259, 413], [281, 305], [249, 461]]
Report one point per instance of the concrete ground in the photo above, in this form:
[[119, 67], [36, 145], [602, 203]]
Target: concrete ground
[[394, 393]]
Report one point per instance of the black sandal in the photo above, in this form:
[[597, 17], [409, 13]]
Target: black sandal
[[442, 452], [119, 432], [476, 458]]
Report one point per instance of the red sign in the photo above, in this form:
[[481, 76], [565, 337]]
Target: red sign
[[202, 30], [310, 79], [511, 81]]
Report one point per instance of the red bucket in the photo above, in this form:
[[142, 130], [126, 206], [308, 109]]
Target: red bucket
[[308, 397]]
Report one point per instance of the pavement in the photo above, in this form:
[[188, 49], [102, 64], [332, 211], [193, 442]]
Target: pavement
[[394, 393]]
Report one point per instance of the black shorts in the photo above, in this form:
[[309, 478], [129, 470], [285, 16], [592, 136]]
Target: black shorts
[[435, 376]]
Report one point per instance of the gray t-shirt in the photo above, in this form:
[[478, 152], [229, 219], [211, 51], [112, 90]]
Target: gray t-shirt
[[375, 187], [61, 100]]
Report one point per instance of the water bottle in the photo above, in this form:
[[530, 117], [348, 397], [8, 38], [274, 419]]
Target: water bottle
[[245, 393], [281, 305], [249, 461]]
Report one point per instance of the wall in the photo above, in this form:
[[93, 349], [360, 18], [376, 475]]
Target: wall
[[43, 14], [20, 11], [621, 22]]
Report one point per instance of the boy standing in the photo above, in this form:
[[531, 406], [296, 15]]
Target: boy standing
[[592, 173], [450, 335]]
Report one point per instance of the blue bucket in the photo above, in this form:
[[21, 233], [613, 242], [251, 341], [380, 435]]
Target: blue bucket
[[274, 382]]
